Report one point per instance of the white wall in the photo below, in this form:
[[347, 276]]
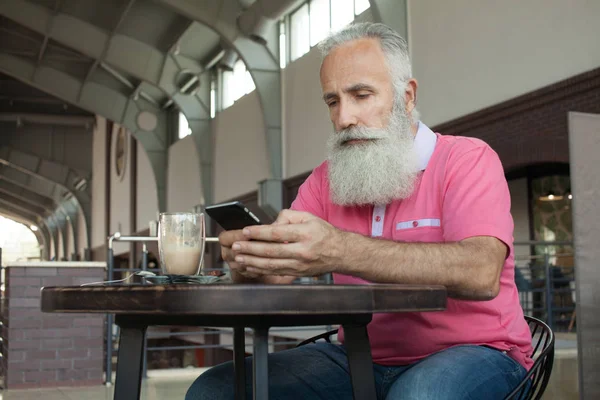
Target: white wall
[[183, 178], [147, 197], [468, 55], [98, 232], [81, 236], [306, 119], [307, 124], [240, 155], [120, 194], [520, 213]]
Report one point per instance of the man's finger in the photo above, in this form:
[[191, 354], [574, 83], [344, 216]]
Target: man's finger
[[268, 249], [274, 233], [293, 217], [269, 265], [227, 238]]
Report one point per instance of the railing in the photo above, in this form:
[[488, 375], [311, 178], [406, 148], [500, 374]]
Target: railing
[[545, 278]]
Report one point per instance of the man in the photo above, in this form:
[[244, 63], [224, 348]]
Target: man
[[394, 203]]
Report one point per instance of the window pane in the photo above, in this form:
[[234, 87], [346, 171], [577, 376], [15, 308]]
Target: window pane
[[319, 20], [342, 13], [248, 83], [213, 101], [299, 32], [360, 6], [282, 45], [227, 95], [184, 127], [239, 75]]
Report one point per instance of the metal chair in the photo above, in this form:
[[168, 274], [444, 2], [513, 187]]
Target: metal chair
[[536, 380], [534, 383]]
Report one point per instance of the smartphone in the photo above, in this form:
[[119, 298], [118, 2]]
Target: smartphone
[[232, 216]]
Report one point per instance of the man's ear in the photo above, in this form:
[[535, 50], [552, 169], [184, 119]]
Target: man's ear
[[410, 95]]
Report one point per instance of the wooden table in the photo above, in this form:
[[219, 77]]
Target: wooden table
[[256, 306]]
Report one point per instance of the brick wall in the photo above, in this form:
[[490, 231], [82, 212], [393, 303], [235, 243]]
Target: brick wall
[[43, 349]]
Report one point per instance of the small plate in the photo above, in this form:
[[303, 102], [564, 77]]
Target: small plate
[[187, 279]]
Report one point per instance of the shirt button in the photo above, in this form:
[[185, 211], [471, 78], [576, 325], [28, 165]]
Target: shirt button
[[378, 218], [415, 224]]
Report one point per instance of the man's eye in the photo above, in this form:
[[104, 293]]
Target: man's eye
[[331, 104], [363, 95]]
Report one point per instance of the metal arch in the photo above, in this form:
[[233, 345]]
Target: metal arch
[[107, 43], [55, 234], [130, 55], [263, 65], [76, 199], [103, 101], [66, 179], [158, 69]]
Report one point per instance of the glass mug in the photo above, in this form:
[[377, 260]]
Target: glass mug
[[181, 240]]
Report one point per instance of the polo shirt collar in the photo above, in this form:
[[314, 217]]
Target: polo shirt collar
[[425, 141]]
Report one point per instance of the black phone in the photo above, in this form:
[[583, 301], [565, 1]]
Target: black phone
[[232, 216]]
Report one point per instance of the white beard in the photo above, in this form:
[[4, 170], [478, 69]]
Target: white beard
[[376, 172]]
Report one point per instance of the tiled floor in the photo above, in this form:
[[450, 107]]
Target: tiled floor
[[173, 385]]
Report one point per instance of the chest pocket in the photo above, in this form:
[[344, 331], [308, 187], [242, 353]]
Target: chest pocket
[[418, 230]]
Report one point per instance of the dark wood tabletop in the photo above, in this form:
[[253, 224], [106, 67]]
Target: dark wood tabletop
[[239, 306], [239, 299]]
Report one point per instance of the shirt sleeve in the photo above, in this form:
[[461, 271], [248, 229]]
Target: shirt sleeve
[[310, 196], [476, 199]]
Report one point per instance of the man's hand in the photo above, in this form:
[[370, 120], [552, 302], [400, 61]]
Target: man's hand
[[226, 239], [297, 244]]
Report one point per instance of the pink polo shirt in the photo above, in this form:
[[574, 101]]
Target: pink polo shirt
[[461, 192]]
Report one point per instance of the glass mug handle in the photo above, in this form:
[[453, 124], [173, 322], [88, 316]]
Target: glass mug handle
[[203, 241]]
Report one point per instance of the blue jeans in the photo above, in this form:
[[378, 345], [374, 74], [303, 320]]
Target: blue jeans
[[320, 371]]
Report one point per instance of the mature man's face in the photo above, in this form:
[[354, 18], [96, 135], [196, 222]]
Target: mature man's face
[[371, 156]]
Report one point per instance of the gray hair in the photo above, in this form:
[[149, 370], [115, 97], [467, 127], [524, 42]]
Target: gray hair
[[394, 48]]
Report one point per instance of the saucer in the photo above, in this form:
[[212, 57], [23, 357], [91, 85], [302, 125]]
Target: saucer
[[187, 279]]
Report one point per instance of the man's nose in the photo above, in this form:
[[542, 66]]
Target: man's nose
[[346, 116]]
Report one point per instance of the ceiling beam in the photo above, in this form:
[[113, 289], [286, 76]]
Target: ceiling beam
[[27, 196], [118, 51], [62, 181], [48, 119], [19, 201], [36, 216], [124, 10], [31, 100], [50, 171], [54, 197], [57, 6], [151, 132]]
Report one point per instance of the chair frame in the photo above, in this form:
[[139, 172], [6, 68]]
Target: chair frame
[[533, 385]]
